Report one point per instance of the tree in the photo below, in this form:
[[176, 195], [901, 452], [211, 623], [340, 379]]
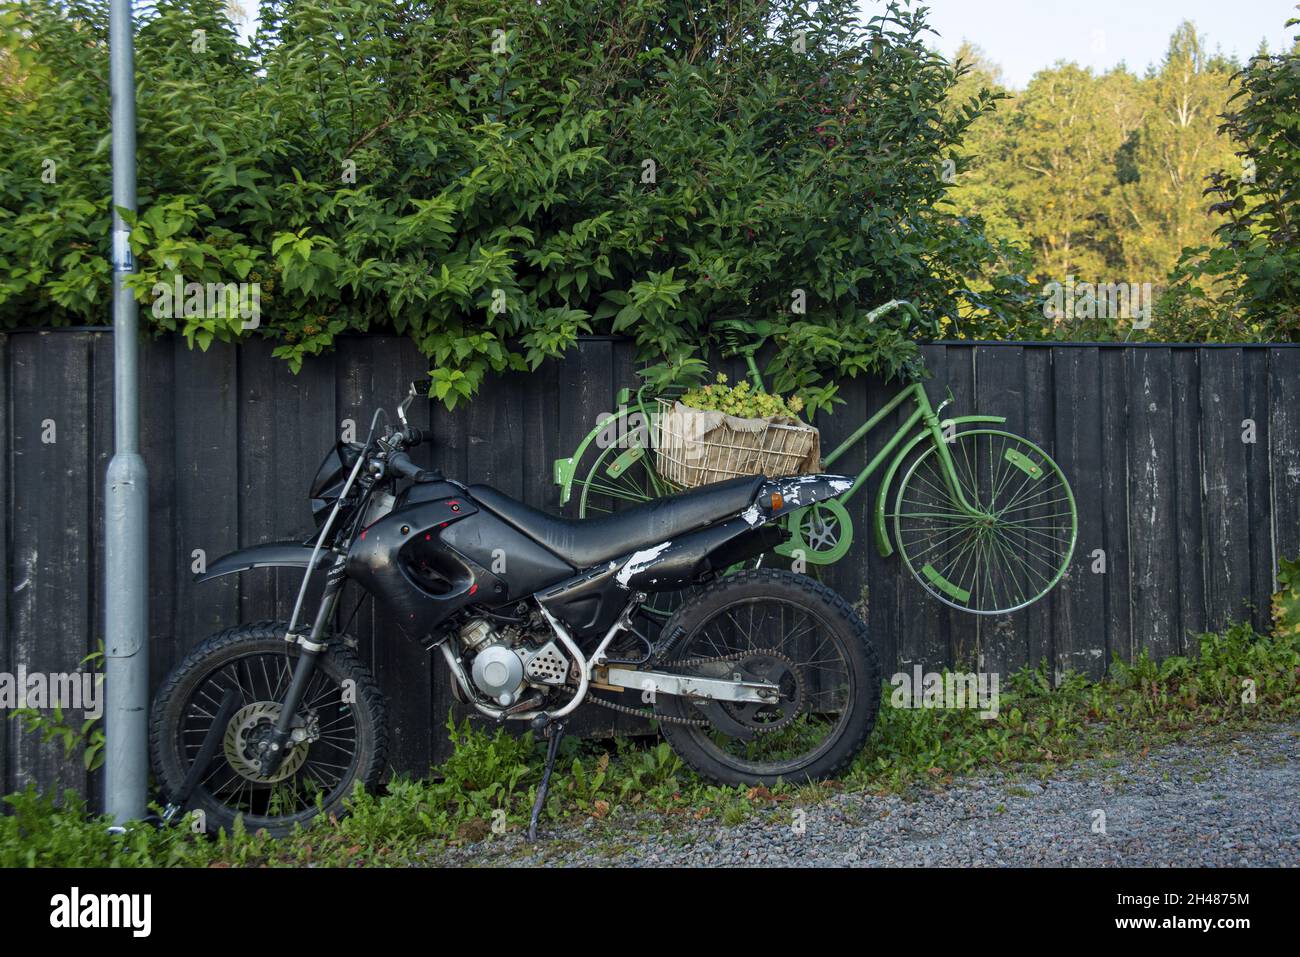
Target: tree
[[1096, 177], [1246, 284], [1159, 204]]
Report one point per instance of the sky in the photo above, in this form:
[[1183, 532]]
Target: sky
[[1024, 36]]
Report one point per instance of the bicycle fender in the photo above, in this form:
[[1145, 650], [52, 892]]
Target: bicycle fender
[[564, 471], [883, 544]]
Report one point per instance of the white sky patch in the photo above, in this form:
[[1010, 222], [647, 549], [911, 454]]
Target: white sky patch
[[1025, 36]]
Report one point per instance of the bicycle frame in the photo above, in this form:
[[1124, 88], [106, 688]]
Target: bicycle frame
[[899, 445], [923, 413]]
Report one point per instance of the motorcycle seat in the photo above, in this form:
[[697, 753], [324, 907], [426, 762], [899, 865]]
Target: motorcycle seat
[[590, 541]]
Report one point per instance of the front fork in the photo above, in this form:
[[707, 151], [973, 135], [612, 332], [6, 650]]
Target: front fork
[[277, 745], [949, 467]]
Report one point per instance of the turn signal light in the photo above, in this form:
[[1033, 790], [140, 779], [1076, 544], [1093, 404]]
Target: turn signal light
[[777, 501]]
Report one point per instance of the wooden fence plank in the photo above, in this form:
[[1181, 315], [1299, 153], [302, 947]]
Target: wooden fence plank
[[307, 400], [205, 470], [53, 471], [541, 442], [1079, 608], [1152, 526], [101, 440], [1185, 394], [586, 390], [897, 640], [1227, 521], [1262, 557], [1284, 449], [6, 636], [259, 425], [495, 430], [1115, 505], [1039, 428], [966, 631], [1000, 390], [930, 619]]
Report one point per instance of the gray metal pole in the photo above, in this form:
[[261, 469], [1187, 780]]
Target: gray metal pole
[[126, 494]]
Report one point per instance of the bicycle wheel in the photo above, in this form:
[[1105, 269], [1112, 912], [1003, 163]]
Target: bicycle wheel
[[620, 475], [1015, 547]]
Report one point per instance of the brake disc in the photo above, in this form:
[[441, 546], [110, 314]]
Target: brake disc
[[252, 724]]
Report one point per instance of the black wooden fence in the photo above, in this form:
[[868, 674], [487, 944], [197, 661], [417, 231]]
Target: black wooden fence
[[1185, 461]]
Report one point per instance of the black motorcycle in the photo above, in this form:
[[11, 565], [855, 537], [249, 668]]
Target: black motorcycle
[[760, 675]]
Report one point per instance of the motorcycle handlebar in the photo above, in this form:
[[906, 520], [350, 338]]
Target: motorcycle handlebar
[[400, 463], [411, 437]]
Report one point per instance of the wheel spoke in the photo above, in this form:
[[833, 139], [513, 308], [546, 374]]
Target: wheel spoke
[[789, 643], [1015, 546], [318, 766]]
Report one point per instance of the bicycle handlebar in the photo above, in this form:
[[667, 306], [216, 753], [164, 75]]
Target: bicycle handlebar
[[909, 309], [761, 328]]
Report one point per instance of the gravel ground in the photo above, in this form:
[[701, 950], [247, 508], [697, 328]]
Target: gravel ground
[[1209, 803]]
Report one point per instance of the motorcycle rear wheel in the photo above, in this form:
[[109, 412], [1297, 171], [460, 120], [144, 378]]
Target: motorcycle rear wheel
[[790, 630]]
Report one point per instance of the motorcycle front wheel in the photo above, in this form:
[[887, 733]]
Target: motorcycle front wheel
[[343, 720]]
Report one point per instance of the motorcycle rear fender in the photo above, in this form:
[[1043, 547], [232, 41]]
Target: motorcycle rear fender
[[270, 555], [682, 561], [784, 495]]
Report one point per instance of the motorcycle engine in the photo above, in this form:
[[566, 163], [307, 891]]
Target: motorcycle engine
[[507, 660]]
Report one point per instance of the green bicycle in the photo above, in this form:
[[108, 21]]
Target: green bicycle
[[983, 519]]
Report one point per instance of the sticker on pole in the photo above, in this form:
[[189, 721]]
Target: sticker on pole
[[123, 261]]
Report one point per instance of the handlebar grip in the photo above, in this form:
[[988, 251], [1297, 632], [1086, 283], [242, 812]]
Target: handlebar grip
[[401, 464]]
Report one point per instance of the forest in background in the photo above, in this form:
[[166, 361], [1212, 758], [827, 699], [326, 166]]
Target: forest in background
[[1118, 177]]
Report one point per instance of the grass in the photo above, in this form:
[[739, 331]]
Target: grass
[[488, 784]]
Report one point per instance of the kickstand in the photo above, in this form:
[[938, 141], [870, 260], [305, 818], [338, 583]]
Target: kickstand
[[556, 731]]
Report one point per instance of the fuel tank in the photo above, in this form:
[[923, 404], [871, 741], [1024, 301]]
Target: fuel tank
[[432, 556]]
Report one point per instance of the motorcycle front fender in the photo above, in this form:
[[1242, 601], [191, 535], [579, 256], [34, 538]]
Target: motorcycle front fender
[[270, 555]]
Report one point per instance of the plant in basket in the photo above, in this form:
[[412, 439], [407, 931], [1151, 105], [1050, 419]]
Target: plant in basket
[[718, 432], [742, 400]]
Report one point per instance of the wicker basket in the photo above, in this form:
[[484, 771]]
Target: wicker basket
[[694, 447]]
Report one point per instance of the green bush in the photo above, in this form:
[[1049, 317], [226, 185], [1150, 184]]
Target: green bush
[[494, 178], [1286, 600]]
